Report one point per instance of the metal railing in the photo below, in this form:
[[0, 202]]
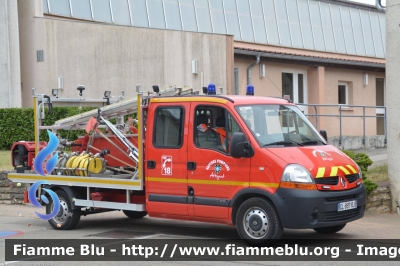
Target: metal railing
[[340, 116]]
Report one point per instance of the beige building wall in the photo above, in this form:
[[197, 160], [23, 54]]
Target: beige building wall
[[358, 94], [322, 88], [10, 79], [271, 84], [316, 95], [109, 57], [393, 98], [32, 39]]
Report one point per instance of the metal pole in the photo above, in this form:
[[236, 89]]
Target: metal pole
[[364, 126], [140, 136], [384, 127], [36, 124], [116, 146], [316, 116], [340, 125], [120, 170], [128, 196], [115, 158]]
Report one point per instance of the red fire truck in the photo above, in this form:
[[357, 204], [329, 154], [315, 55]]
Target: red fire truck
[[256, 163]]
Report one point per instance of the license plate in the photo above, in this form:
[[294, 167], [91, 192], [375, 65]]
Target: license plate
[[348, 205]]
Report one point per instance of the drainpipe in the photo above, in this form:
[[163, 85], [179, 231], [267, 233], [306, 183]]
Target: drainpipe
[[249, 69], [379, 6]]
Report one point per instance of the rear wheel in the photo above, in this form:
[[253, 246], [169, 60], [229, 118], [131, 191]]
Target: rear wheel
[[66, 218], [330, 229], [135, 214], [258, 222]]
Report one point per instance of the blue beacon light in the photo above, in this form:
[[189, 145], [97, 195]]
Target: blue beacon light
[[250, 90], [211, 90]]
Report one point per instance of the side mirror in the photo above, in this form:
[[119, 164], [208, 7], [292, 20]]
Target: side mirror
[[240, 146], [323, 133]]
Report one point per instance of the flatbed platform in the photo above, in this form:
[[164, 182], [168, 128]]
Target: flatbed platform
[[78, 181]]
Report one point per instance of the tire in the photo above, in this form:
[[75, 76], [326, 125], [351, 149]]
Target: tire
[[330, 229], [66, 218], [135, 214], [258, 222]]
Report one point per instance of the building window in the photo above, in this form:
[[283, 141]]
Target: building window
[[287, 86], [343, 93], [294, 87]]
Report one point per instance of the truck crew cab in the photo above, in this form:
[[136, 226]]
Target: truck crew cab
[[253, 162]]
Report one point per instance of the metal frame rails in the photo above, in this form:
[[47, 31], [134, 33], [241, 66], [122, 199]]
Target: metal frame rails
[[79, 121]]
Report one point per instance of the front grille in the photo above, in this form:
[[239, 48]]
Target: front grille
[[352, 178], [340, 216], [333, 181], [342, 198]]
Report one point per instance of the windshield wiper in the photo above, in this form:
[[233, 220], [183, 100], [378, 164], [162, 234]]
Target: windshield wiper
[[311, 141], [283, 142]]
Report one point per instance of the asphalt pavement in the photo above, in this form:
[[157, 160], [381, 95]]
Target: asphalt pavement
[[378, 156], [22, 221], [376, 228]]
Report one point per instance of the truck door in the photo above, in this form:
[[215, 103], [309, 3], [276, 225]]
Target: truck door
[[214, 176], [166, 157]]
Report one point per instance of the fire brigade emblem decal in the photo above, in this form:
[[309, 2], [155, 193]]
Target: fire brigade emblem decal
[[324, 155], [218, 168], [166, 165]]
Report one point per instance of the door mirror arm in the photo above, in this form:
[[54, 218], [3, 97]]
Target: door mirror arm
[[241, 146], [323, 134]]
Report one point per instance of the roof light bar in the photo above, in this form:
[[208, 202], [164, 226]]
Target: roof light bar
[[250, 90], [211, 89]]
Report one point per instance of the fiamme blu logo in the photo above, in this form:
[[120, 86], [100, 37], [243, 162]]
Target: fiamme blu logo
[[44, 163]]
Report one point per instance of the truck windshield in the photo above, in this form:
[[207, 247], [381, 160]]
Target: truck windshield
[[279, 125]]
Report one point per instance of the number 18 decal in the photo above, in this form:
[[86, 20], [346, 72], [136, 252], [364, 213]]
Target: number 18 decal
[[166, 165]]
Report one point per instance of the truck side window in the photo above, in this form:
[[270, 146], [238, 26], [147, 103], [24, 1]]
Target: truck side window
[[168, 127], [205, 136], [214, 128]]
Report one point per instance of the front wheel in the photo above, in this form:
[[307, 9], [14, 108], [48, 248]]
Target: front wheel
[[66, 218], [258, 222], [329, 229]]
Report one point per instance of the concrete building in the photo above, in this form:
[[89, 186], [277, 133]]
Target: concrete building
[[393, 99], [10, 73], [314, 52]]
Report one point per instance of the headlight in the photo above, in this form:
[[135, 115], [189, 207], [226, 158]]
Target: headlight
[[359, 171], [296, 173]]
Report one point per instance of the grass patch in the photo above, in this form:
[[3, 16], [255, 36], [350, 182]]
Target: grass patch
[[378, 173], [5, 160]]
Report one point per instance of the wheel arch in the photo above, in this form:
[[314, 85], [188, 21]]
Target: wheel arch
[[245, 194], [72, 192]]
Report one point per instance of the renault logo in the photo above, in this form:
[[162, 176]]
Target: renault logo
[[343, 182]]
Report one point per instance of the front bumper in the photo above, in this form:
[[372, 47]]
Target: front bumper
[[302, 209]]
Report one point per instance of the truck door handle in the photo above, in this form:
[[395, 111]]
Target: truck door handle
[[151, 164], [190, 195], [191, 166]]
